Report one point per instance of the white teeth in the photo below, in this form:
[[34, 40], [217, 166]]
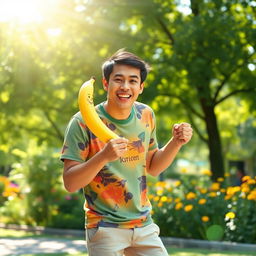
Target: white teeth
[[124, 96]]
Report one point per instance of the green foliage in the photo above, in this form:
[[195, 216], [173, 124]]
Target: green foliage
[[42, 199], [70, 213]]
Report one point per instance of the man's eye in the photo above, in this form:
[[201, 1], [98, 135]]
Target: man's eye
[[133, 81], [118, 80]]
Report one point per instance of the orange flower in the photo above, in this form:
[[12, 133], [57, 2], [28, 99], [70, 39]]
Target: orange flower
[[188, 208], [245, 178], [205, 218], [191, 195], [215, 186], [251, 182], [202, 201], [203, 190], [178, 206], [177, 200], [212, 194], [252, 195]]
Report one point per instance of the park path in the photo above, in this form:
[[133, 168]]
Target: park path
[[20, 246]]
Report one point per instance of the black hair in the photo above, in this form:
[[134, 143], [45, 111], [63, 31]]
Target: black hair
[[125, 58]]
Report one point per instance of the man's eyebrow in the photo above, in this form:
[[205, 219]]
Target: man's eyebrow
[[118, 75], [131, 76], [134, 76]]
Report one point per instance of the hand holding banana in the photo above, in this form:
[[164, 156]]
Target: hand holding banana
[[115, 148], [89, 114]]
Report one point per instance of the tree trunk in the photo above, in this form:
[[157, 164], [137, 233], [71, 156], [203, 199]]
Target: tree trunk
[[214, 142]]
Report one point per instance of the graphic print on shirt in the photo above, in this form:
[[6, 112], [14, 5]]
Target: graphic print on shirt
[[83, 149], [143, 191], [111, 189]]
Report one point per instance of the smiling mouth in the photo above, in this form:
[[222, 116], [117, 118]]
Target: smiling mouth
[[124, 96]]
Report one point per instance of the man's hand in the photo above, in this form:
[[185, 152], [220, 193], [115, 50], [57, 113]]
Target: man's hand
[[115, 148], [182, 133]]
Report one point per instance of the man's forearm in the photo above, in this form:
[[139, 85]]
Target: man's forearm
[[81, 174], [163, 158]]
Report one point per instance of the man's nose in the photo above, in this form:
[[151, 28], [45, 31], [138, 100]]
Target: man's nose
[[125, 85]]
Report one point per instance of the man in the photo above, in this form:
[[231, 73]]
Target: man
[[113, 174]]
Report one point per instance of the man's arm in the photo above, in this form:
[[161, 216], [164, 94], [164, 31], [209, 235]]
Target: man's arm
[[77, 175], [158, 161]]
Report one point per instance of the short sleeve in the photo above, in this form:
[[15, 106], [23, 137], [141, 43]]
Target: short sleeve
[[76, 141]]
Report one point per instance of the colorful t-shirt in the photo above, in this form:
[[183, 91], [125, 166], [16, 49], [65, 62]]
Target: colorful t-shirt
[[117, 196]]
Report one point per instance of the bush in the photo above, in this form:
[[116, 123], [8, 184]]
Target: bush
[[201, 209], [70, 213], [42, 199]]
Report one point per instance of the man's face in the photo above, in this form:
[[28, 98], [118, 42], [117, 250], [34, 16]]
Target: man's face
[[124, 86]]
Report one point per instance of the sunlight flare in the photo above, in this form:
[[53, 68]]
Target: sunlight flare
[[21, 11]]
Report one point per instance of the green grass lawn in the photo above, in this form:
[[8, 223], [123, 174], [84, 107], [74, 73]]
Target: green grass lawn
[[5, 233]]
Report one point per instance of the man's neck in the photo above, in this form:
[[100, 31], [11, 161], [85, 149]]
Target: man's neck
[[121, 114]]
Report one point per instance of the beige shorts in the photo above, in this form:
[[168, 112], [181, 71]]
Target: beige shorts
[[106, 241]]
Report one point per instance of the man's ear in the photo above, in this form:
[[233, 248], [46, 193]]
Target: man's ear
[[105, 84], [141, 87]]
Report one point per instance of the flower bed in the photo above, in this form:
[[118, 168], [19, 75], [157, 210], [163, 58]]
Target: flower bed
[[201, 209]]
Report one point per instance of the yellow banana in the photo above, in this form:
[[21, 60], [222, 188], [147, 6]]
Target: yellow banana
[[89, 114]]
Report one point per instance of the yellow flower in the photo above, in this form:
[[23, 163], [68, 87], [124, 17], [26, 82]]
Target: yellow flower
[[5, 181], [188, 207], [170, 189], [227, 197], [222, 190], [202, 201], [245, 178], [251, 182], [164, 199], [220, 179], [177, 200], [215, 186], [177, 183], [203, 190], [160, 204], [161, 184], [207, 172], [232, 190], [236, 189], [183, 170], [150, 197], [205, 218], [169, 200], [212, 194], [252, 195], [227, 174], [156, 198], [178, 206], [230, 215], [191, 195], [245, 188], [159, 192]]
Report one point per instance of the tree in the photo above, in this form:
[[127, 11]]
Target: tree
[[201, 58]]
